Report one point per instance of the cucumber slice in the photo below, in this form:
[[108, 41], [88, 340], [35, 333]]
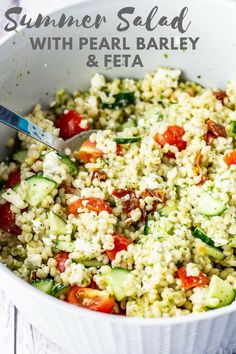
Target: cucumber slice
[[38, 188], [166, 210], [132, 139], [57, 224], [73, 167], [45, 285], [67, 246], [220, 293], [232, 242], [202, 236], [131, 123], [116, 280], [90, 263], [214, 252], [20, 156], [233, 129], [59, 290], [210, 206]]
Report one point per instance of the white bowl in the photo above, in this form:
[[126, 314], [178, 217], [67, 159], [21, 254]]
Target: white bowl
[[28, 77]]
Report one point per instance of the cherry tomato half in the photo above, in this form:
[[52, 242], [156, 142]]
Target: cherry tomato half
[[92, 299], [7, 220], [69, 124], [92, 204], [173, 136], [230, 158], [13, 178], [61, 259], [88, 152], [189, 282], [121, 243]]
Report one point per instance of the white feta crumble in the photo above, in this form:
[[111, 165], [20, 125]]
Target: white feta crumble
[[53, 168], [15, 199], [34, 259], [192, 270], [97, 82], [37, 226]]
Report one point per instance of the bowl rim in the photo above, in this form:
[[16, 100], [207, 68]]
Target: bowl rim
[[50, 300], [141, 321]]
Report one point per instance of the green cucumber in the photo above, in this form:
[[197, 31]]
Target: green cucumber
[[131, 123], [57, 224], [91, 263], [59, 290], [202, 236], [116, 279], [210, 206], [209, 246], [232, 242], [233, 129], [214, 252], [166, 210], [220, 293], [73, 167], [20, 156], [45, 285], [38, 188], [67, 246], [132, 139]]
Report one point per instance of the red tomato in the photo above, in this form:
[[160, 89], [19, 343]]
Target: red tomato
[[189, 282], [119, 150], [121, 243], [69, 124], [220, 95], [13, 178], [88, 152], [68, 189], [61, 259], [129, 198], [92, 299], [170, 155], [92, 204], [202, 180], [93, 285], [230, 158], [172, 136], [7, 220]]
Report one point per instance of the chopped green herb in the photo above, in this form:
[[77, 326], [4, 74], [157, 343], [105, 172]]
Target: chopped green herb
[[146, 230], [133, 139], [233, 129], [121, 100]]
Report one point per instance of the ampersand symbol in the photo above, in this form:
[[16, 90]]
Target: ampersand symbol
[[91, 61]]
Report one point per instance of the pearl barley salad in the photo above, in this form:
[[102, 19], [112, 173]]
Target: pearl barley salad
[[141, 221]]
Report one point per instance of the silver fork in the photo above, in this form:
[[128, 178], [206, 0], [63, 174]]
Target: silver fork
[[23, 125]]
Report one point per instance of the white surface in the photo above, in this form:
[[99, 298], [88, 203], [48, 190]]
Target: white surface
[[18, 336]]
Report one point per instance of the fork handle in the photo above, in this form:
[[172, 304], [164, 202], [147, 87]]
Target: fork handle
[[23, 125]]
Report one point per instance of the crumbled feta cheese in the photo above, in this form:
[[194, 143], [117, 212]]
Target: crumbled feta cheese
[[37, 226], [53, 168], [34, 259], [97, 82], [192, 270], [13, 198]]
